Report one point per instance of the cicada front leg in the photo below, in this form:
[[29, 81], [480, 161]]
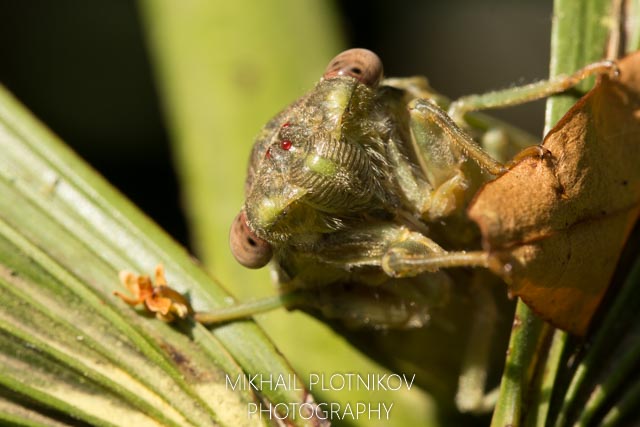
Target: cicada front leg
[[527, 93]]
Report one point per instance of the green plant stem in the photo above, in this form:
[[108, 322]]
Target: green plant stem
[[526, 335], [579, 37]]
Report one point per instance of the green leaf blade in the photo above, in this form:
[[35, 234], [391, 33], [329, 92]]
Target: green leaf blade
[[64, 235]]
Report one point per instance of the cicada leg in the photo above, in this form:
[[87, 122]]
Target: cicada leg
[[416, 254], [439, 146], [247, 309], [440, 141], [527, 93], [427, 118]]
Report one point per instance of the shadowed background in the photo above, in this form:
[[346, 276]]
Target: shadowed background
[[212, 78], [83, 68]]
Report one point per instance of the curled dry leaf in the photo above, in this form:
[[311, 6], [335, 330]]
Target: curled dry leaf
[[555, 226]]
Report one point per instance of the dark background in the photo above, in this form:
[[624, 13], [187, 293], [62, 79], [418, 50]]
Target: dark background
[[82, 67]]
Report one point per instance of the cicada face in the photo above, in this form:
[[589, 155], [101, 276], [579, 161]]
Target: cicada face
[[321, 161], [310, 167]]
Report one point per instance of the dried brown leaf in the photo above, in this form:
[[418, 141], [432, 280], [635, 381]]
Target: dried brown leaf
[[555, 227]]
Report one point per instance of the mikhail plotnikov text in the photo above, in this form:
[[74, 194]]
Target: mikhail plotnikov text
[[343, 381]]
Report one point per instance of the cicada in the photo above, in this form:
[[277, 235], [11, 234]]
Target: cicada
[[356, 194]]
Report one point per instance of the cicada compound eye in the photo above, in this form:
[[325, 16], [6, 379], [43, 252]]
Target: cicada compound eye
[[362, 64], [247, 248]]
